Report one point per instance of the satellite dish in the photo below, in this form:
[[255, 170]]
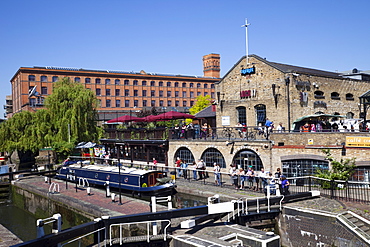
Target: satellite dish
[[32, 92]]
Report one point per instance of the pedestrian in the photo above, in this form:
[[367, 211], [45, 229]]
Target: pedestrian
[[234, 177], [271, 184], [284, 185], [200, 168], [184, 169], [230, 172], [178, 166], [250, 177], [194, 166], [263, 177], [242, 177], [155, 164], [217, 172]]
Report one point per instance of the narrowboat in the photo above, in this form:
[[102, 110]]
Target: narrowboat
[[133, 180]]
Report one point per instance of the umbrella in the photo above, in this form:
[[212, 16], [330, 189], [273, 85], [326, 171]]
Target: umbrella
[[150, 118], [171, 115], [125, 119]]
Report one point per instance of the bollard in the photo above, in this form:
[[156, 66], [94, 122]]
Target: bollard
[[46, 179], [88, 191], [40, 228], [107, 194], [113, 197], [57, 224]]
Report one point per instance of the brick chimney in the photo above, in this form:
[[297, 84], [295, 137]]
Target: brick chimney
[[211, 65]]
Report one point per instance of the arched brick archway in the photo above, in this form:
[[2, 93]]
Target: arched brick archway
[[184, 154], [213, 155], [247, 158]]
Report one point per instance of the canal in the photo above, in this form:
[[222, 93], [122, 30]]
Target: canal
[[23, 223]]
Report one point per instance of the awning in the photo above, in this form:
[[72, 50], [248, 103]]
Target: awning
[[317, 116]]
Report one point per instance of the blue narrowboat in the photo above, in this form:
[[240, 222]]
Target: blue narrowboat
[[135, 181]]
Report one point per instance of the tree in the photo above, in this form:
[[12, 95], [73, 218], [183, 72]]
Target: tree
[[340, 170], [201, 103], [69, 117]]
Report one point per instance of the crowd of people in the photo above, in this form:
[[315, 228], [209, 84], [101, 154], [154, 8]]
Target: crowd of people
[[192, 131], [239, 178]]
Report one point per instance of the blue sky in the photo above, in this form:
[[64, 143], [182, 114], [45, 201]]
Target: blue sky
[[170, 36]]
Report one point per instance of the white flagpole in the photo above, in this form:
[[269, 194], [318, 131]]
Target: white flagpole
[[246, 39]]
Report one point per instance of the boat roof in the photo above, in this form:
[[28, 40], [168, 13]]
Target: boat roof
[[105, 168]]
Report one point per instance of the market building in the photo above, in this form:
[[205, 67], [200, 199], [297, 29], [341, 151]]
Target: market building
[[118, 92]]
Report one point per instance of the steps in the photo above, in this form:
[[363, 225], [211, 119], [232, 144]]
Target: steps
[[356, 223], [4, 192]]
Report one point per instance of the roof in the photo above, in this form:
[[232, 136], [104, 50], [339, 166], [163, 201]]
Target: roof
[[286, 68], [206, 112]]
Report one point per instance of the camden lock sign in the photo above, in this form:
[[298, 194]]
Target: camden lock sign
[[248, 71]]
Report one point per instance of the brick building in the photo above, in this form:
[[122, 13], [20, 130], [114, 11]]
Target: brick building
[[118, 92], [284, 93]]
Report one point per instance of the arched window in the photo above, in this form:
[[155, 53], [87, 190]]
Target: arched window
[[176, 84], [87, 80], [184, 84], [198, 85], [335, 96], [32, 78], [54, 79], [152, 83], [107, 81], [211, 156], [297, 167], [77, 79], [241, 114], [319, 95], [168, 84], [349, 96], [260, 114], [212, 85], [160, 83], [185, 155], [205, 85], [97, 80], [246, 158], [44, 78], [191, 85], [117, 81]]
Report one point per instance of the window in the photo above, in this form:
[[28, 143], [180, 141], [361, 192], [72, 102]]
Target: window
[[127, 92], [169, 103], [127, 103], [152, 93], [241, 114], [136, 93], [144, 93], [77, 79], [335, 96], [177, 94], [168, 84], [32, 78], [191, 85], [32, 102], [98, 91], [44, 78], [54, 79], [349, 96], [161, 103], [97, 80], [176, 84], [107, 92], [205, 85], [107, 81], [247, 158], [191, 94], [126, 82], [160, 83], [136, 103], [191, 103], [144, 103], [184, 94], [212, 85], [205, 93], [212, 95], [143, 83], [319, 95], [260, 114], [87, 80], [161, 93], [198, 85], [118, 92], [152, 83], [185, 155], [212, 155], [136, 82], [152, 103], [168, 93], [184, 84], [184, 103], [107, 103], [118, 103], [117, 82], [199, 93], [303, 167], [44, 90], [177, 103]]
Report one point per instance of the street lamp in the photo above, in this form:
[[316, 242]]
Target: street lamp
[[119, 176]]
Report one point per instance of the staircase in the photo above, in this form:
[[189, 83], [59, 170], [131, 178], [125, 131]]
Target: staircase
[[357, 224]]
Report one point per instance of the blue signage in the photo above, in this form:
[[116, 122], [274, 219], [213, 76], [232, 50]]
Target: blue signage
[[248, 71]]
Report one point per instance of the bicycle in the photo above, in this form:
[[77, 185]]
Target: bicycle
[[228, 133]]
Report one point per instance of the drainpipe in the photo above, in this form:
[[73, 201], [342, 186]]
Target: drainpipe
[[287, 83]]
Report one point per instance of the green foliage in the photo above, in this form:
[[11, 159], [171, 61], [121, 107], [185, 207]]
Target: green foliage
[[201, 103], [340, 170], [69, 117]]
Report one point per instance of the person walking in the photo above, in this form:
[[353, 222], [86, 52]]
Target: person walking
[[284, 185], [217, 173]]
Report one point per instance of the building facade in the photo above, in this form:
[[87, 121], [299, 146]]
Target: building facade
[[118, 92], [284, 93]]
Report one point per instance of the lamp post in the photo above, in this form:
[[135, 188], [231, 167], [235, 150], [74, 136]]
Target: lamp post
[[119, 177], [287, 83]]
